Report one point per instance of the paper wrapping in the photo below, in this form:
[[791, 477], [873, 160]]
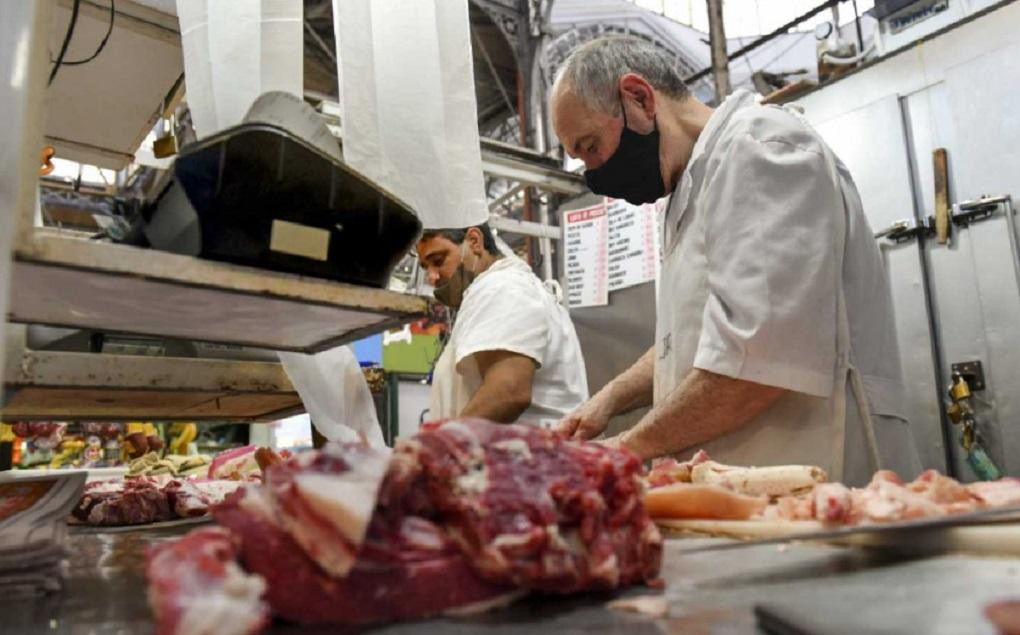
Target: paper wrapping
[[408, 104], [335, 394], [235, 51]]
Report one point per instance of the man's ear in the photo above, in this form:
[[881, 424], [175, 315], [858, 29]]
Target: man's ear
[[635, 88], [475, 240]]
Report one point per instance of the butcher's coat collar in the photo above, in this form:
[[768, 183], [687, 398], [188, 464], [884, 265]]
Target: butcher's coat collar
[[740, 99]]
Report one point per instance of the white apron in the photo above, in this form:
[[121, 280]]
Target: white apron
[[797, 428], [508, 308]]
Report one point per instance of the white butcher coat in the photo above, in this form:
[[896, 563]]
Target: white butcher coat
[[771, 274], [508, 308]]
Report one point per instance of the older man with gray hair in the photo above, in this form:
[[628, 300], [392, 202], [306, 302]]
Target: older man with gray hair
[[775, 340]]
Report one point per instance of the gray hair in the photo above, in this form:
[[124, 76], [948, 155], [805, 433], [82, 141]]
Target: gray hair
[[593, 71]]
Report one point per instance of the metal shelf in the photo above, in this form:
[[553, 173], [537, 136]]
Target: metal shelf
[[49, 384], [66, 281]]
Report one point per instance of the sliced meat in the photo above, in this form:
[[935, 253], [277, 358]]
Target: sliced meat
[[791, 508], [831, 502], [942, 490], [140, 501], [197, 588], [412, 572], [1004, 492], [194, 498], [689, 500], [887, 499], [325, 500], [95, 493], [773, 480], [237, 464], [668, 470]]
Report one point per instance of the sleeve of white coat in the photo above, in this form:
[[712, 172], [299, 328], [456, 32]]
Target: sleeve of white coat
[[502, 317], [771, 210]]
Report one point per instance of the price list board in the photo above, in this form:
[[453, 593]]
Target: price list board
[[586, 238], [633, 245]]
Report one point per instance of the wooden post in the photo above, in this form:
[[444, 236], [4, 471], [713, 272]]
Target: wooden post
[[717, 40], [941, 196]]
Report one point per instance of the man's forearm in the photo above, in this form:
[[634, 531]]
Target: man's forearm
[[495, 404], [632, 388], [703, 407]]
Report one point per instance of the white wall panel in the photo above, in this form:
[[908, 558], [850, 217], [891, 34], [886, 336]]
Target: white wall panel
[[858, 137]]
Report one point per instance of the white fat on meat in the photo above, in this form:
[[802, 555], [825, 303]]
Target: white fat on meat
[[347, 505], [475, 480], [217, 490], [227, 611], [775, 480], [330, 512], [485, 605], [517, 447], [503, 541], [651, 605]]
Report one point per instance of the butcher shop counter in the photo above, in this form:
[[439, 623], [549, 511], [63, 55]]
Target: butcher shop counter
[[848, 590]]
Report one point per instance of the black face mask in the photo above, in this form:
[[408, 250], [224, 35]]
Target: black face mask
[[632, 172]]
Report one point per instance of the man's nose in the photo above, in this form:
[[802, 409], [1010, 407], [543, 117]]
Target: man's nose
[[432, 276]]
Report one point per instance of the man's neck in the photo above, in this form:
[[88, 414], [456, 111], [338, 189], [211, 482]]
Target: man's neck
[[486, 260], [682, 122]]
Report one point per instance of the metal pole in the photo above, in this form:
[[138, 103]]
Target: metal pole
[[717, 40], [766, 38], [857, 23], [934, 329]]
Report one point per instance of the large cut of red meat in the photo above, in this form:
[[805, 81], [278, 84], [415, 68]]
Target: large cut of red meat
[[465, 515], [410, 572], [534, 510], [197, 588]]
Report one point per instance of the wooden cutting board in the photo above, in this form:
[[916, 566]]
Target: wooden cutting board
[[990, 539], [742, 529]]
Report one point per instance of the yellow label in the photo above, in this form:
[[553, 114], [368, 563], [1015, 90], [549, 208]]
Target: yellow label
[[299, 240]]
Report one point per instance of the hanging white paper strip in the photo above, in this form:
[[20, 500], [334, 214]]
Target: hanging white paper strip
[[235, 51], [409, 111]]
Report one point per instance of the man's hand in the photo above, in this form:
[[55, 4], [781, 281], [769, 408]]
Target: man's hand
[[611, 442], [589, 420], [631, 389]]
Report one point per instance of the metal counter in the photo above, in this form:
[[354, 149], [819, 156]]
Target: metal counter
[[844, 589]]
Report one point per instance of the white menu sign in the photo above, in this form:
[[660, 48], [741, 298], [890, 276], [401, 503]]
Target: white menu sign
[[586, 238], [633, 246]]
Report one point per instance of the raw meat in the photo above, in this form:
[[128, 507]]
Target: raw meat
[[197, 588], [534, 510], [194, 498], [142, 499], [772, 480], [1001, 493], [832, 502], [412, 572], [690, 500], [238, 464], [887, 499], [461, 518], [130, 502], [667, 471], [325, 500]]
